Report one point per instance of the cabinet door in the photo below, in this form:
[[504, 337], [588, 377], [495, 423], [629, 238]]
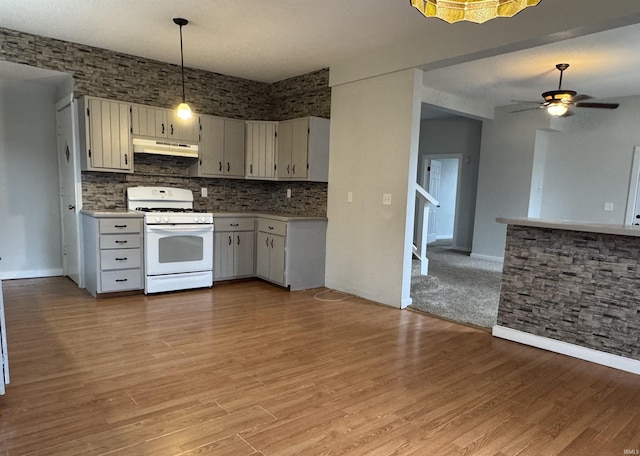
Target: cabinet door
[[183, 129], [263, 250], [108, 138], [234, 147], [149, 121], [261, 148], [211, 148], [285, 143], [223, 255], [277, 258], [299, 148], [244, 253]]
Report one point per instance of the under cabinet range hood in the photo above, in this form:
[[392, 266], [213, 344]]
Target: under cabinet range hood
[[154, 146]]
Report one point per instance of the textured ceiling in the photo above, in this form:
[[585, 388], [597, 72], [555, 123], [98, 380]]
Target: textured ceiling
[[271, 40]]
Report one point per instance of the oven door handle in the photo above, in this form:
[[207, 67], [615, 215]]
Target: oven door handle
[[173, 229]]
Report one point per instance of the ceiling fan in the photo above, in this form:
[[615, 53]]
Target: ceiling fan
[[558, 102]]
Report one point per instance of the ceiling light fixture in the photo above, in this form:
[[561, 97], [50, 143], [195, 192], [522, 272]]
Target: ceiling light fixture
[[477, 11], [184, 111]]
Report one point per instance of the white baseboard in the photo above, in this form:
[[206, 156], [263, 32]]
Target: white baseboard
[[461, 249], [487, 257], [442, 237], [406, 302], [30, 274], [565, 348]]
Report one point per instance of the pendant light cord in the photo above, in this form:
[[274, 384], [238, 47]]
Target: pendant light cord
[[182, 65]]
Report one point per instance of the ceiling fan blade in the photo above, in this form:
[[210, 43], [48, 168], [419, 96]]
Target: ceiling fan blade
[[597, 105], [581, 97], [526, 109]]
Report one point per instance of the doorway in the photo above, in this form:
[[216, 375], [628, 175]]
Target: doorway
[[441, 178]]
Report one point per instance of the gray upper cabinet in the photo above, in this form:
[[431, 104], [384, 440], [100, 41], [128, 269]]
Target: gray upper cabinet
[[105, 135], [221, 149], [303, 149], [260, 147], [163, 123]]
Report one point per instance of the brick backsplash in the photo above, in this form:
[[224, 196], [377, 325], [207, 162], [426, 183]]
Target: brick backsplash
[[103, 73], [576, 287]]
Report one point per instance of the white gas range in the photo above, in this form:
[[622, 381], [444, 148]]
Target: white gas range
[[178, 241]]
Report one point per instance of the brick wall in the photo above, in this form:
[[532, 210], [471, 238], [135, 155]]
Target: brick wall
[[117, 76], [576, 287]]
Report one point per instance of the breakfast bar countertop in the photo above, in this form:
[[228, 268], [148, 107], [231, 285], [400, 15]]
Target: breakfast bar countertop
[[570, 225]]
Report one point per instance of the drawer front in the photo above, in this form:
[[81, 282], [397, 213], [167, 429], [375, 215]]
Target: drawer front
[[222, 224], [272, 226], [120, 259], [126, 279], [126, 225], [119, 241]]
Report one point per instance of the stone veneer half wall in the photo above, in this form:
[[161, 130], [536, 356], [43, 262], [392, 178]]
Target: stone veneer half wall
[[103, 73], [576, 287]]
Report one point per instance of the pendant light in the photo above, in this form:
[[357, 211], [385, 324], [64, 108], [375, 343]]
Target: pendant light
[[184, 111], [477, 11]]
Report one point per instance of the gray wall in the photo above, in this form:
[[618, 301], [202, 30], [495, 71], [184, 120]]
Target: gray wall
[[457, 135], [30, 240]]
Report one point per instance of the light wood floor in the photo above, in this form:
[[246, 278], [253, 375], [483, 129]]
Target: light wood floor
[[249, 368]]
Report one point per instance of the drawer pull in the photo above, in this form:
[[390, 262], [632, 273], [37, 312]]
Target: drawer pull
[[271, 228], [121, 259], [233, 224], [122, 280], [121, 242], [238, 240], [230, 241], [119, 226]]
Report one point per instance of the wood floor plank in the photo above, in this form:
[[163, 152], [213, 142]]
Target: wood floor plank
[[252, 369]]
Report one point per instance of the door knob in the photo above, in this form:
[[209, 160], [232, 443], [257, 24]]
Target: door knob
[[71, 207]]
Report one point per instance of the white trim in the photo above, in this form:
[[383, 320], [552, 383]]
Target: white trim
[[405, 302], [479, 256], [31, 274], [633, 187], [565, 348], [443, 237]]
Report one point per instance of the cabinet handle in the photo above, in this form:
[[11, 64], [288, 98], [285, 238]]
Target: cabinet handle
[[121, 242], [228, 167], [233, 224], [230, 241], [271, 243], [122, 259], [219, 166], [294, 169], [271, 228], [119, 226], [71, 207], [126, 159], [267, 242], [238, 240], [163, 128], [250, 168], [122, 280], [288, 166], [171, 129]]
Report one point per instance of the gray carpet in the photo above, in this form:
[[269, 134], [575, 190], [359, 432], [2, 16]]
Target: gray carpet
[[458, 287]]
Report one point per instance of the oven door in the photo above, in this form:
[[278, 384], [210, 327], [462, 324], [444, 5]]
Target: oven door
[[174, 249]]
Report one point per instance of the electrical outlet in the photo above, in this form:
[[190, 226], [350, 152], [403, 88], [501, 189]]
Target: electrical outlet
[[608, 207], [386, 199], [288, 193], [349, 197], [203, 192]]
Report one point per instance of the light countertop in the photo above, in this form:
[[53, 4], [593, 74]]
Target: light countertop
[[570, 225], [115, 213]]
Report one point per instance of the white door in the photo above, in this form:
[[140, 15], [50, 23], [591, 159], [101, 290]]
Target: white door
[[69, 177], [434, 170]]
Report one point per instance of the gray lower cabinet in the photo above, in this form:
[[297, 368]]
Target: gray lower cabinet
[[113, 254], [291, 253], [234, 248]]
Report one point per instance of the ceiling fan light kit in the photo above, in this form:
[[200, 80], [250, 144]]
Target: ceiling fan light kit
[[558, 102], [184, 111], [477, 11]]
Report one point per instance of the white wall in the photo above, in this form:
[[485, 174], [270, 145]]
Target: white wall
[[30, 240], [457, 135], [505, 175], [589, 163], [374, 147]]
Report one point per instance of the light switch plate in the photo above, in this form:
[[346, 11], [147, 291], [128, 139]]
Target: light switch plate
[[203, 192], [608, 207], [386, 199], [349, 197]]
